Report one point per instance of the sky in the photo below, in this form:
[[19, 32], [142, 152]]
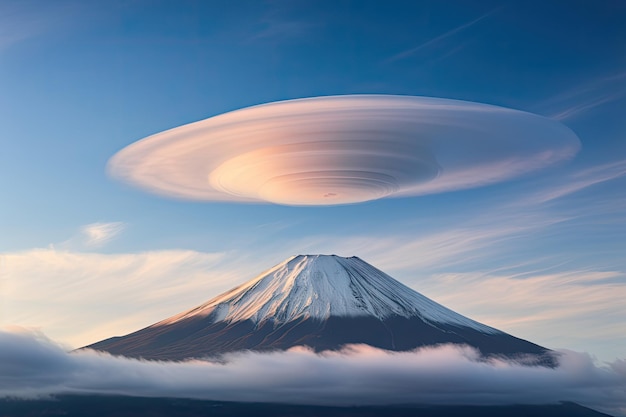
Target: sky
[[84, 256]]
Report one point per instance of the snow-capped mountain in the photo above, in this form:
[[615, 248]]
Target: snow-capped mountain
[[321, 301], [321, 286]]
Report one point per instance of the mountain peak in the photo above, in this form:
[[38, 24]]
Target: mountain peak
[[323, 286], [320, 301]]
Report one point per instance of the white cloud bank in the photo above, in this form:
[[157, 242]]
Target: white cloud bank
[[343, 149], [31, 366]]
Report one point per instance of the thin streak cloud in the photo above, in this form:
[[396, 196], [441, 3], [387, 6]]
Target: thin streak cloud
[[586, 97], [441, 37], [585, 106], [23, 20], [19, 22], [580, 180]]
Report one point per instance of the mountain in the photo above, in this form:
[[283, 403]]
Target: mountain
[[320, 301]]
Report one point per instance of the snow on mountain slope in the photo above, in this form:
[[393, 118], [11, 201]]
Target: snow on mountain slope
[[321, 286]]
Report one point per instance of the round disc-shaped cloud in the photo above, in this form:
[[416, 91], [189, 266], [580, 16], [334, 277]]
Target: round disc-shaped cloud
[[343, 149]]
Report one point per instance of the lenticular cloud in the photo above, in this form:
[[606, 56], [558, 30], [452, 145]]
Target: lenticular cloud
[[343, 149]]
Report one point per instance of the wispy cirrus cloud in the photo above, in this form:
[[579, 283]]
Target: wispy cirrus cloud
[[586, 105], [276, 28], [586, 97], [277, 23], [581, 309], [437, 40], [97, 234], [23, 20], [359, 375], [114, 293], [92, 236], [427, 251], [527, 212], [17, 23], [580, 180]]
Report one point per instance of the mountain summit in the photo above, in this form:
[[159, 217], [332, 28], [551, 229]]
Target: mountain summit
[[323, 286], [320, 301]]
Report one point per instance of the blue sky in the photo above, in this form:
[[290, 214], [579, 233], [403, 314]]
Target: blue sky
[[541, 256]]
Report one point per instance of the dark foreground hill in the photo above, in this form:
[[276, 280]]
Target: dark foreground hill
[[119, 406]]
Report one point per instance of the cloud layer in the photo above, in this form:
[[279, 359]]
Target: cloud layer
[[343, 149], [31, 365], [112, 293]]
